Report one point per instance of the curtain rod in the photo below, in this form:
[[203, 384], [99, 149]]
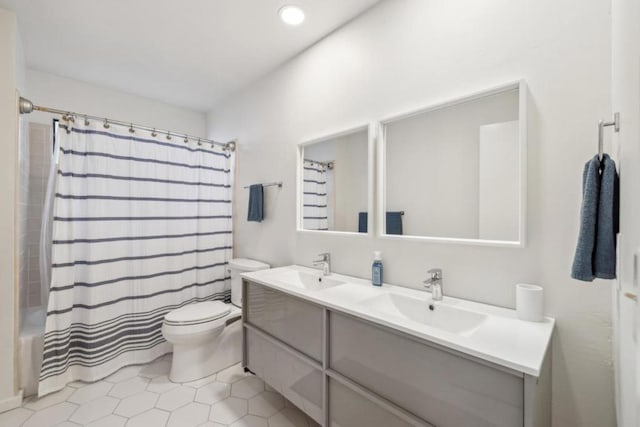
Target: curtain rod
[[328, 165], [25, 107]]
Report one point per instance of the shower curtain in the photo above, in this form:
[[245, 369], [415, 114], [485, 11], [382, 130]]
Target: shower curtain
[[141, 226], [314, 210]]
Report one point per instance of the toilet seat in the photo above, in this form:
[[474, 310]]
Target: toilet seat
[[197, 313]]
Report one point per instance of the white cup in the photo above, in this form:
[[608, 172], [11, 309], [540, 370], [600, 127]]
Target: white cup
[[529, 300]]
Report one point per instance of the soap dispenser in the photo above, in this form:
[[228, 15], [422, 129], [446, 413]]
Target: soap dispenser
[[376, 269]]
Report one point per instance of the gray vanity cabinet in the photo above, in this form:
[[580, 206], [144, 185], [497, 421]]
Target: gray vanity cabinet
[[441, 387], [291, 320], [344, 371]]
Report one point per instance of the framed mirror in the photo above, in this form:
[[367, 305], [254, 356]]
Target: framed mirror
[[335, 182], [455, 172]]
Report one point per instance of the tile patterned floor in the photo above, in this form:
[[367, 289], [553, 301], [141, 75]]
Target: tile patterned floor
[[143, 396]]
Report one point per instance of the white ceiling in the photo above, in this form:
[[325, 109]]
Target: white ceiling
[[190, 53]]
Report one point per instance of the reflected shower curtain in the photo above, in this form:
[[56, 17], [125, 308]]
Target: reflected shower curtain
[[314, 209], [141, 226]]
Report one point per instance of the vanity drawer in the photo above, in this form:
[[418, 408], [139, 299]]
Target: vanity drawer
[[295, 379], [286, 318], [349, 409], [439, 386]]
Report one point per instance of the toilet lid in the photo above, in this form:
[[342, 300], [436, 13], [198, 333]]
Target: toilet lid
[[200, 312]]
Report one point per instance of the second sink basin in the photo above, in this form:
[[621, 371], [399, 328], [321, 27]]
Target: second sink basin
[[442, 316]]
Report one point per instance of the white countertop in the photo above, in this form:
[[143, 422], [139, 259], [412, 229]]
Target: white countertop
[[502, 338]]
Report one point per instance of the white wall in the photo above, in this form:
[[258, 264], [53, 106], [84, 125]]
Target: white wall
[[432, 163], [404, 54], [53, 91], [10, 79]]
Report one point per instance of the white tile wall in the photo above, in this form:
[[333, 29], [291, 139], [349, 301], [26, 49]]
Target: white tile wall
[[36, 147]]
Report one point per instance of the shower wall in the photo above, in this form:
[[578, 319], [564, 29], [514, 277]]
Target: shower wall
[[35, 160]]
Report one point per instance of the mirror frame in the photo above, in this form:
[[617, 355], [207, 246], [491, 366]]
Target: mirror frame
[[522, 142], [371, 129]]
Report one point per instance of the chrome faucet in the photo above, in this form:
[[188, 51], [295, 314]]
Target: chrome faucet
[[434, 283], [325, 261]]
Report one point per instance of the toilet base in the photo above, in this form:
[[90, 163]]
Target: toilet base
[[193, 362]]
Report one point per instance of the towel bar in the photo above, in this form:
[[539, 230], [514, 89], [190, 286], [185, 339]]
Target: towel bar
[[601, 125]]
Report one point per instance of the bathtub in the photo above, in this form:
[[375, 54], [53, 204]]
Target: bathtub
[[30, 346]]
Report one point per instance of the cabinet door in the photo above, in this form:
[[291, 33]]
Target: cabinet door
[[348, 409], [287, 318], [294, 379], [440, 387]]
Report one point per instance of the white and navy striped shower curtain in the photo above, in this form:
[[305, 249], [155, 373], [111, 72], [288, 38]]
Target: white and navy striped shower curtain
[[142, 225], [314, 209]]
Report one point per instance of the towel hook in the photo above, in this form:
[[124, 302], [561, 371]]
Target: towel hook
[[601, 125]]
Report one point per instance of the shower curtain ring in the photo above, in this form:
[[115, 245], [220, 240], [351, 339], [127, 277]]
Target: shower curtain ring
[[153, 133], [131, 128], [186, 140], [169, 136], [199, 143], [106, 124], [86, 120]]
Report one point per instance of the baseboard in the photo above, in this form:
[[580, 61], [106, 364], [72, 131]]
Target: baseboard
[[11, 403]]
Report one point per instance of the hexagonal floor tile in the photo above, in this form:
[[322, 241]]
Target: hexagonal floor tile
[[52, 415], [90, 392], [191, 415], [228, 410], [125, 373], [49, 400], [289, 417], [94, 410], [14, 417], [161, 384], [266, 404], [156, 369], [213, 392], [173, 399], [109, 421], [129, 387], [211, 424], [136, 404], [202, 381], [232, 374], [248, 387], [153, 417], [250, 421]]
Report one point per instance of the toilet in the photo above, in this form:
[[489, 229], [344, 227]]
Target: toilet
[[207, 336]]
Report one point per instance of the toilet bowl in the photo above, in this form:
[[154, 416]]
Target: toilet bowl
[[207, 336]]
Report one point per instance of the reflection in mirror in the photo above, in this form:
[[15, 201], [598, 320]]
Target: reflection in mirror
[[455, 170], [335, 182]]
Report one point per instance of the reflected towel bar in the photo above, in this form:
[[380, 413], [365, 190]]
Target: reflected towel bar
[[268, 184]]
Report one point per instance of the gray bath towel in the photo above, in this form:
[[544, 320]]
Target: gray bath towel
[[583, 261], [604, 261], [256, 203]]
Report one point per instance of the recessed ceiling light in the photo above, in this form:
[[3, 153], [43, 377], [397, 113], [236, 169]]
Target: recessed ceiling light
[[291, 15]]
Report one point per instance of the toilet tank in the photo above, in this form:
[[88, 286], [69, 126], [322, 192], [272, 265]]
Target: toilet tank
[[238, 266]]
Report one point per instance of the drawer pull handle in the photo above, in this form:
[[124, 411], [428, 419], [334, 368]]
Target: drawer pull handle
[[631, 296]]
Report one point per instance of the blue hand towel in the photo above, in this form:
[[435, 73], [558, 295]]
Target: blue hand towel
[[394, 222], [256, 203], [604, 261], [583, 261], [363, 220]]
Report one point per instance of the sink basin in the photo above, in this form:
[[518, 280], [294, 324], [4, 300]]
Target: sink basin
[[443, 316], [308, 281]]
